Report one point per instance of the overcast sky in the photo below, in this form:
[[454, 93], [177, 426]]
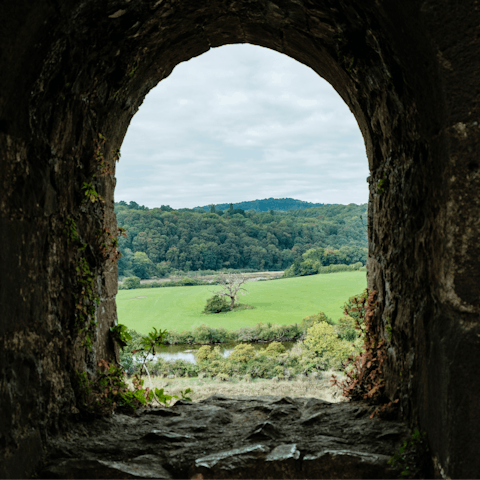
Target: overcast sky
[[241, 123]]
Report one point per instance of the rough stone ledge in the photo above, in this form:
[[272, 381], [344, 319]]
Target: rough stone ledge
[[231, 437]]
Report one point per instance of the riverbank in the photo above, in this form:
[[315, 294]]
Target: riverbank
[[170, 353], [251, 277]]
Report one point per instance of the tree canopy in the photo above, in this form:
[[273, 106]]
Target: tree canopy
[[192, 239]]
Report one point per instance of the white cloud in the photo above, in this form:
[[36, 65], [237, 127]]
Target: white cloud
[[238, 123]]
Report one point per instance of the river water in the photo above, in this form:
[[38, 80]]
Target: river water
[[187, 352]]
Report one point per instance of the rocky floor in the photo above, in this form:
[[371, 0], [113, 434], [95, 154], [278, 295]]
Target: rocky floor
[[231, 437]]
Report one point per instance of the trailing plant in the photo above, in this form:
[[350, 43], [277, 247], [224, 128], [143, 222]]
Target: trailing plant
[[388, 327], [412, 459], [91, 194], [108, 391], [121, 335], [86, 298], [133, 69], [104, 165], [381, 186], [364, 373], [109, 245]]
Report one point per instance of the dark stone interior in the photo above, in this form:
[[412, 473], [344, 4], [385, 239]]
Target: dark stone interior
[[409, 71], [236, 437]]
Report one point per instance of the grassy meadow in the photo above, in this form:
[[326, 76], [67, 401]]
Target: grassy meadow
[[283, 301], [203, 388]]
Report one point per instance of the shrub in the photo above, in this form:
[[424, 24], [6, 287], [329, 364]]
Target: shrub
[[216, 304], [263, 332], [260, 332], [204, 334], [275, 349], [212, 368], [345, 328], [291, 332], [131, 282], [208, 335], [245, 335], [183, 337], [222, 335], [242, 353], [182, 368], [160, 367], [312, 320], [203, 353], [215, 354], [324, 342]]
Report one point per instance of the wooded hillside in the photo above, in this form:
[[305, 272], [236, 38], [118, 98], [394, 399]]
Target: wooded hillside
[[162, 240], [267, 204]]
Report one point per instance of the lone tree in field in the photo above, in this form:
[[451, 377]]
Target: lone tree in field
[[231, 287]]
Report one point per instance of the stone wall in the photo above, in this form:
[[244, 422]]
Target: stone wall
[[408, 71]]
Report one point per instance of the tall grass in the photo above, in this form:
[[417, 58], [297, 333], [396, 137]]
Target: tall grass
[[318, 387]]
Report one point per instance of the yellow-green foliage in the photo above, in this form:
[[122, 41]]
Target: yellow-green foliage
[[323, 341], [274, 349], [207, 353], [312, 320], [215, 354], [345, 328], [242, 353], [203, 353]]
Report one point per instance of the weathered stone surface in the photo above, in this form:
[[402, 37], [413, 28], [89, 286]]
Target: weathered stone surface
[[339, 444], [409, 73]]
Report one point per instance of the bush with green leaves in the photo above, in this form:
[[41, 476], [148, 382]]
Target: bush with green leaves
[[345, 328], [182, 368], [160, 367], [260, 332], [185, 337], [242, 353], [131, 282], [275, 349], [216, 304], [108, 392], [209, 335], [312, 320], [323, 341], [203, 353]]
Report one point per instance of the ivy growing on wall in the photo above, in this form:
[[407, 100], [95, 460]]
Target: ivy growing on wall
[[86, 297], [364, 373], [106, 245]]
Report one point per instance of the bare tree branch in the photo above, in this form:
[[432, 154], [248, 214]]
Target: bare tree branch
[[231, 287]]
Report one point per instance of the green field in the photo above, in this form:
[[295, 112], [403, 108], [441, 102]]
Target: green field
[[282, 301]]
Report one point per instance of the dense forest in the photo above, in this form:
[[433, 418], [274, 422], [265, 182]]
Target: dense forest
[[163, 241], [267, 204], [325, 260]]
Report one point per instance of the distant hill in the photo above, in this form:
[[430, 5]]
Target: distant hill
[[162, 241], [267, 204]]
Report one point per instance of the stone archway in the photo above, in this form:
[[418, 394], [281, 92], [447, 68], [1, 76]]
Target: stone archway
[[409, 73]]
